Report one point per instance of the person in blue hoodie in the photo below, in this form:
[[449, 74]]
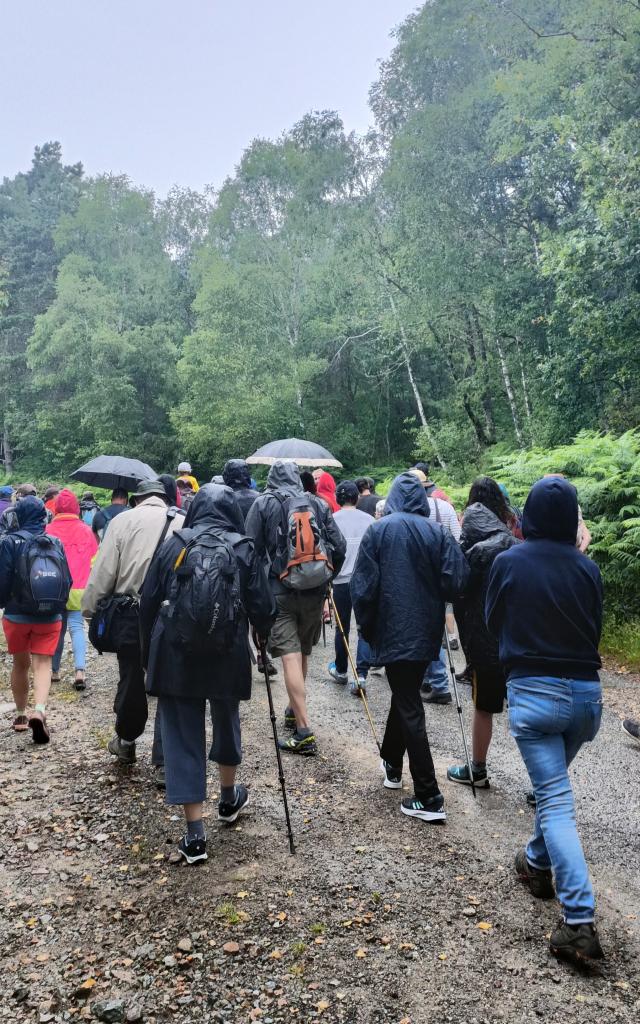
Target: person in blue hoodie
[[544, 606], [408, 566]]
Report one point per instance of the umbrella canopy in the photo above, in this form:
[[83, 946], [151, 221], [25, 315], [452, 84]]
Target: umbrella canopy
[[114, 471], [292, 449]]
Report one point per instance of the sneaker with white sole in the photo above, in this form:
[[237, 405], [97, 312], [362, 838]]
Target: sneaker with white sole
[[392, 777], [229, 811], [193, 850], [460, 773], [338, 677], [358, 687], [632, 729], [427, 810]]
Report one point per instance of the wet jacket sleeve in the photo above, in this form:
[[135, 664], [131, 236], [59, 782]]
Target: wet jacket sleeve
[[7, 561], [336, 540], [254, 528], [454, 568], [365, 586], [104, 574], [259, 602], [494, 603]]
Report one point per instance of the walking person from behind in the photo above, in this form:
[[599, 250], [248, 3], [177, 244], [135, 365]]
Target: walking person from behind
[[485, 533], [544, 606], [116, 580], [408, 566], [80, 545], [353, 524], [209, 563], [34, 588], [296, 535], [102, 518]]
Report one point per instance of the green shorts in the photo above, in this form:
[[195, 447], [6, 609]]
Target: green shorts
[[298, 626]]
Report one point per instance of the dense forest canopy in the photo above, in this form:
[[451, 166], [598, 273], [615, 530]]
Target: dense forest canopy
[[463, 276]]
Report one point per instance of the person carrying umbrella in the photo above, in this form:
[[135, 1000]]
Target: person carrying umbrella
[[282, 522], [102, 518]]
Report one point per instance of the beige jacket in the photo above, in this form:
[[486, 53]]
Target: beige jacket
[[125, 554]]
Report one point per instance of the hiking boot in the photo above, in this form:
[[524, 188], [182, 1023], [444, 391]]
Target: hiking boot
[[228, 811], [465, 677], [289, 718], [531, 799], [357, 688], [159, 777], [539, 880], [431, 810], [125, 752], [578, 943], [297, 744], [392, 776], [271, 668], [460, 773], [632, 729], [20, 723], [435, 698], [338, 677], [193, 850], [39, 729]]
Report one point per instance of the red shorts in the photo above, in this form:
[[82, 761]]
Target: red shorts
[[32, 637]]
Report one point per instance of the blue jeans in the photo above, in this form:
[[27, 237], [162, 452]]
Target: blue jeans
[[436, 675], [342, 599], [550, 719], [75, 624]]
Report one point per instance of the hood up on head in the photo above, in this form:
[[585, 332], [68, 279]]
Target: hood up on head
[[215, 505], [551, 511], [31, 514], [479, 523], [407, 495], [326, 488], [236, 474], [66, 504], [285, 478]]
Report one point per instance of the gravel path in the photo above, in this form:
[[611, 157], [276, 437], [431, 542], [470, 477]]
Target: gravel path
[[378, 918]]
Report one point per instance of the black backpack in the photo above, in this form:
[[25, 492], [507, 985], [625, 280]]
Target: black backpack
[[206, 606], [42, 580]]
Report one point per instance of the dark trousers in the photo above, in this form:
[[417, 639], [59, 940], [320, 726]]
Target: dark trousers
[[130, 705], [183, 733], [406, 729], [342, 599]]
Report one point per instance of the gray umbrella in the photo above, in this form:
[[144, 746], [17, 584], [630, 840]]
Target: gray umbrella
[[292, 449], [114, 471]]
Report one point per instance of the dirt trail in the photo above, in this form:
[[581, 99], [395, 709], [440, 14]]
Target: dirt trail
[[377, 919]]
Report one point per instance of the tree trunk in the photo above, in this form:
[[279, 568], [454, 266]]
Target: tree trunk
[[510, 394], [7, 452], [486, 398], [404, 347], [525, 386]]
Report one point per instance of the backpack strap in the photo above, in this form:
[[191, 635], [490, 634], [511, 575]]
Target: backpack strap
[[438, 516]]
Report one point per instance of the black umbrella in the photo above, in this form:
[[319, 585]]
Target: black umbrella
[[114, 471], [292, 449]]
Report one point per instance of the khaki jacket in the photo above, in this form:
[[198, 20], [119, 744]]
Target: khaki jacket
[[125, 554]]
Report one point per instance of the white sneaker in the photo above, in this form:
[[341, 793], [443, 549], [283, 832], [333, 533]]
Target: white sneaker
[[391, 779]]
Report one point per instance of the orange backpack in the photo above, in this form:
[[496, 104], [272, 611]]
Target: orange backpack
[[302, 561]]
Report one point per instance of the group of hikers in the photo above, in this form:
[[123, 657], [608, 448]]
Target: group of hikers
[[188, 585]]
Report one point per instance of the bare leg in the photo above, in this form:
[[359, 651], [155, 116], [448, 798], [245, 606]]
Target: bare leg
[[193, 812], [294, 667], [227, 773], [481, 735], [451, 624], [20, 680], [41, 678]]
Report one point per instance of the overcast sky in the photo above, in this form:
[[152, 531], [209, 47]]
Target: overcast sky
[[172, 91]]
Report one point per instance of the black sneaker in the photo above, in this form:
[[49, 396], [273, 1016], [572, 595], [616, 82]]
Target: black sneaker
[[193, 850], [632, 729], [229, 811], [460, 773], [531, 799], [428, 810], [539, 881], [289, 719], [425, 690], [578, 943], [392, 777], [435, 698], [454, 643], [297, 744], [159, 777], [465, 677]]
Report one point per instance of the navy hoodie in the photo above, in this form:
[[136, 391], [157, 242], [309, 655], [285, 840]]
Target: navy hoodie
[[544, 600]]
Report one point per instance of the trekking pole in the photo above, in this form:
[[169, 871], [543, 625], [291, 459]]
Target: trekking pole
[[353, 666], [452, 670], [272, 713]]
